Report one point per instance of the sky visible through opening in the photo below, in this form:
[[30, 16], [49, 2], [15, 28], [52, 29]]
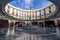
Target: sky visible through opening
[[25, 4]]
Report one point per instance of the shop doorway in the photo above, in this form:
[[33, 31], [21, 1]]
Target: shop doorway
[[3, 23], [40, 24], [50, 26], [34, 23], [49, 23], [19, 24]]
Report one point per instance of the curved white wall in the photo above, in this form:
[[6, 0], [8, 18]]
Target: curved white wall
[[30, 14]]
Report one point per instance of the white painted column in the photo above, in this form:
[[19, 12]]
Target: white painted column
[[32, 37], [35, 37], [57, 28], [8, 32], [10, 29], [13, 29], [28, 37], [38, 23]]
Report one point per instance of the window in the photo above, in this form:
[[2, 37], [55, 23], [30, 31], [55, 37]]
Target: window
[[54, 7], [38, 13], [8, 9], [47, 11], [16, 12], [13, 12], [42, 12], [50, 9]]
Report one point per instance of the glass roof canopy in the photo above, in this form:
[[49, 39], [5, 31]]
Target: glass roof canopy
[[26, 4]]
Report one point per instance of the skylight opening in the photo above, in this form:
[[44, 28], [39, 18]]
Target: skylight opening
[[26, 4]]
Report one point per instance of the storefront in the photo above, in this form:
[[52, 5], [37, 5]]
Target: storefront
[[34, 23], [3, 23], [49, 23], [19, 24], [58, 23], [41, 24]]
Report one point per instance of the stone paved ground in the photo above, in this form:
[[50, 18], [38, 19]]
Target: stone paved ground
[[31, 34]]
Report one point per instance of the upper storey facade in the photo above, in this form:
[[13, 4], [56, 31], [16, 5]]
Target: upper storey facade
[[30, 14]]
